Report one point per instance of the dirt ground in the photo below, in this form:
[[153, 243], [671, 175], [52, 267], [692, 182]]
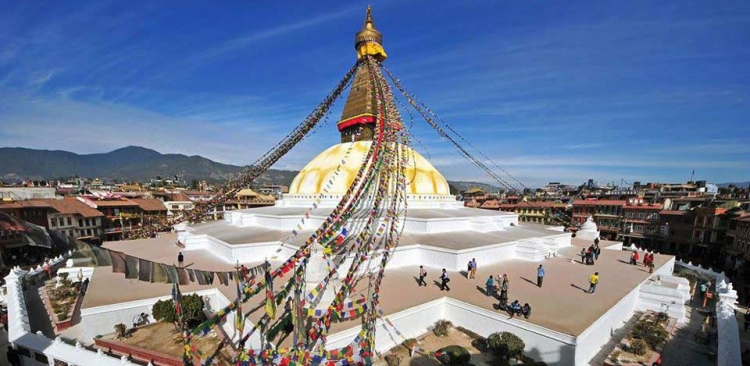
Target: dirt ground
[[165, 338], [432, 343]]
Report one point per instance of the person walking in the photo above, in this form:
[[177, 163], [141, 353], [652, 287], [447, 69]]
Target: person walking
[[180, 259], [504, 287], [473, 268], [703, 289], [444, 279], [422, 275], [490, 284], [583, 255], [593, 281], [539, 276], [597, 250]]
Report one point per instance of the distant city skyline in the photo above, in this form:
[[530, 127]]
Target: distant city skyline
[[561, 92]]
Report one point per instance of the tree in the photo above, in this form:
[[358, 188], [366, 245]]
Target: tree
[[506, 345], [192, 309], [194, 184]]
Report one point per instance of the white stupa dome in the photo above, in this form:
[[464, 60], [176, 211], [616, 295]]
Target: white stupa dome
[[421, 176]]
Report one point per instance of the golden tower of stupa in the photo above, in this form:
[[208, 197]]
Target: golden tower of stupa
[[357, 127]]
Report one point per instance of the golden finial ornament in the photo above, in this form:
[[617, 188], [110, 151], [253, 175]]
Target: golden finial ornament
[[368, 40]]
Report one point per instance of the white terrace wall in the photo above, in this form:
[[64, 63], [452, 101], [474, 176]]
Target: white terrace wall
[[729, 351], [39, 346], [591, 340], [101, 320]]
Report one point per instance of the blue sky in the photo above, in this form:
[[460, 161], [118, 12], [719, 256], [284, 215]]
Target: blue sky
[[551, 91]]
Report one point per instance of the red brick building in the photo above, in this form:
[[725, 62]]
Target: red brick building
[[640, 222]]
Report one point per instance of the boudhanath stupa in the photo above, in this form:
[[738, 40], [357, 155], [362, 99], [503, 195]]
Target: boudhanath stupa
[[567, 327]]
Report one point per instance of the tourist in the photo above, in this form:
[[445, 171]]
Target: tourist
[[650, 267], [180, 259], [703, 289], [47, 268], [593, 280], [597, 250], [444, 281], [498, 282], [583, 255], [515, 308], [526, 310], [422, 274], [504, 287], [473, 268], [590, 255], [490, 285], [4, 319], [13, 358], [539, 276]]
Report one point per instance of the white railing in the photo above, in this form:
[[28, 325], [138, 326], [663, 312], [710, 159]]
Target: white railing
[[729, 351], [20, 335]]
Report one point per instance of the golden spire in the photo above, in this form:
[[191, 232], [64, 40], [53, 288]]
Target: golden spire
[[368, 40]]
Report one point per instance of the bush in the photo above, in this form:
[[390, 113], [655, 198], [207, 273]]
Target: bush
[[651, 333], [441, 327], [506, 344], [393, 359], [163, 311], [121, 331], [641, 330], [657, 336], [192, 310], [638, 347]]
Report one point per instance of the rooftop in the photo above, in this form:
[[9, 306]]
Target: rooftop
[[150, 204], [565, 282]]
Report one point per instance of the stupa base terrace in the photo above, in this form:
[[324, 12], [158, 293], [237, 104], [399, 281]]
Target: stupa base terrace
[[442, 236], [567, 326]]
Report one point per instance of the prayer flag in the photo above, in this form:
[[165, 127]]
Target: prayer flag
[[270, 303], [239, 322]]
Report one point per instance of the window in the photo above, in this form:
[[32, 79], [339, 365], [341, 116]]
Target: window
[[641, 215], [70, 222], [80, 222], [53, 222], [629, 214]]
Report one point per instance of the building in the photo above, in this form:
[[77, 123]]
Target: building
[[540, 212], [26, 193], [247, 198], [676, 231], [741, 235], [710, 228], [607, 215], [608, 218], [582, 210], [120, 215], [178, 202], [640, 222], [68, 215]]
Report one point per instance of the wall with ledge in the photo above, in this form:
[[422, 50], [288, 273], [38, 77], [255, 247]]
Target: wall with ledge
[[101, 320], [729, 350], [35, 348]]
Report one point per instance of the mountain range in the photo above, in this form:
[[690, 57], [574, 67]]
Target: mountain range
[[135, 163]]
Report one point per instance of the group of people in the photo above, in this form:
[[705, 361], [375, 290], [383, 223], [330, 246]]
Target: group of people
[[515, 308], [588, 256], [648, 260]]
